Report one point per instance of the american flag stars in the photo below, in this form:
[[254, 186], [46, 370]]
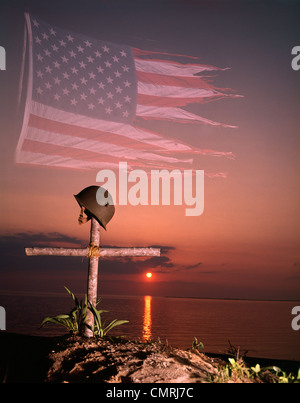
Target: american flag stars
[[82, 75]]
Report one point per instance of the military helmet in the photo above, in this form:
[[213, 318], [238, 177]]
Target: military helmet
[[98, 203]]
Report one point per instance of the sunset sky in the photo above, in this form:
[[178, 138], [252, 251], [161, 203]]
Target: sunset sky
[[246, 243]]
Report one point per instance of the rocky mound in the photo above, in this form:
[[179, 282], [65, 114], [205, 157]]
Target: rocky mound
[[82, 360], [69, 359]]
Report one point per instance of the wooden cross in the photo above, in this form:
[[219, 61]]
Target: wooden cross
[[93, 252]]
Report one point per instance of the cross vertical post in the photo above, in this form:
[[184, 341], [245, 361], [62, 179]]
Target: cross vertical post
[[92, 280]]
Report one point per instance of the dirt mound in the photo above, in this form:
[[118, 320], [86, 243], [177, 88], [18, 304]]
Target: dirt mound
[[81, 360], [70, 359]]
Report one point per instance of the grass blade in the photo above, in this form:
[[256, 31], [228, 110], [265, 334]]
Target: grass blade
[[113, 324]]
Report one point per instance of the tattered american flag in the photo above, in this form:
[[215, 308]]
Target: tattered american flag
[[86, 97]]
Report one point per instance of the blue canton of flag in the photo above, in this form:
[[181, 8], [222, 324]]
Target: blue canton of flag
[[83, 75]]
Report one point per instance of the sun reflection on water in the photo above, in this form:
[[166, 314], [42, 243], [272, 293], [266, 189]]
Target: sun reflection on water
[[147, 318]]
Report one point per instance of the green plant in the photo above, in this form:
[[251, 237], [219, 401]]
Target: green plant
[[235, 371], [197, 345], [283, 377], [239, 367], [255, 370], [75, 321], [100, 329]]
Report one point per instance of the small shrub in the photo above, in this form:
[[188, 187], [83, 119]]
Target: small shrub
[[75, 321]]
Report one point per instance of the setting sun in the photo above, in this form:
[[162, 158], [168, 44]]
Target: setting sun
[[148, 275]]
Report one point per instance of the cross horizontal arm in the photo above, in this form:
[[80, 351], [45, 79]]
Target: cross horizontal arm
[[129, 252], [56, 251], [104, 252]]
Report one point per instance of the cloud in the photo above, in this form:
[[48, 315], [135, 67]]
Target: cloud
[[133, 265], [27, 239], [193, 266], [13, 255]]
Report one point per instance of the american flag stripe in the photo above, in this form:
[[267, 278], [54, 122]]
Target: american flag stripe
[[52, 147], [126, 138], [60, 158], [167, 85], [69, 157], [86, 98], [88, 133], [96, 146], [126, 131], [171, 68], [174, 114], [160, 100], [176, 81], [63, 161], [167, 91]]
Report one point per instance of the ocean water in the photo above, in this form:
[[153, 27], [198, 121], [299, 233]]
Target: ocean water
[[263, 328]]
